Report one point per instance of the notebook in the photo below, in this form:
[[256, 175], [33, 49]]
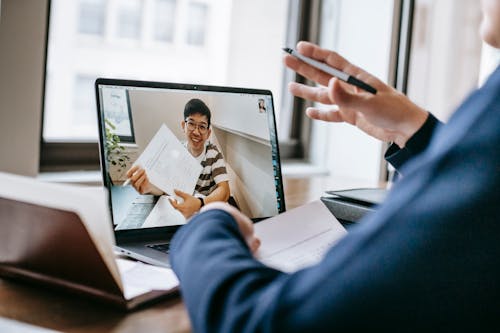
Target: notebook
[[61, 235], [143, 123]]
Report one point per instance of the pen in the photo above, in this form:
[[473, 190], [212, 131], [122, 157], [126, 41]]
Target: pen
[[128, 180], [332, 71]]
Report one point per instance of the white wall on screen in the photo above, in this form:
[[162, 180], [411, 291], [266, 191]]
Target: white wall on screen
[[240, 112], [251, 173], [150, 109]]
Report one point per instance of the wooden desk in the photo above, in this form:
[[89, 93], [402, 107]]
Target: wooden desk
[[60, 311], [64, 312]]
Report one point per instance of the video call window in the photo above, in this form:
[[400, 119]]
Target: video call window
[[240, 145]]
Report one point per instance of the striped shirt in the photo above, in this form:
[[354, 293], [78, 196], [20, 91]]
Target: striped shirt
[[213, 172]]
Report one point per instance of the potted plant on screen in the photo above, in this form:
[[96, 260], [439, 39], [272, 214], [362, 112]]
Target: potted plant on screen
[[116, 156]]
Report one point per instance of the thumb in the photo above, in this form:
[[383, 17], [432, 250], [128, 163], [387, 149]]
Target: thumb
[[181, 194], [174, 203], [254, 244]]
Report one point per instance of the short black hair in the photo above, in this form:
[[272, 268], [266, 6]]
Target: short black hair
[[196, 106]]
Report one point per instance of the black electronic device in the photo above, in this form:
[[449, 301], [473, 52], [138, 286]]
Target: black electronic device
[[349, 206]]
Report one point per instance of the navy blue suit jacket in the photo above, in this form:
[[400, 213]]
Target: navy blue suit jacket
[[427, 260]]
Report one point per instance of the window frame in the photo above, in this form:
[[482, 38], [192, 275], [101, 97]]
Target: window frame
[[402, 32], [296, 133], [294, 128]]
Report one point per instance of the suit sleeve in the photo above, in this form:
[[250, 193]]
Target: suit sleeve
[[426, 261], [221, 282], [397, 156]]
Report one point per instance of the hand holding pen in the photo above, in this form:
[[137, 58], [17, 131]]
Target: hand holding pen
[[383, 113], [331, 70], [138, 178]]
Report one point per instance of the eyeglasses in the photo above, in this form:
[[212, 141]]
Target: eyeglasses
[[191, 126]]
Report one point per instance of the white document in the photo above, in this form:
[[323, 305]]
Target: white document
[[139, 278], [164, 214], [168, 164], [299, 237]]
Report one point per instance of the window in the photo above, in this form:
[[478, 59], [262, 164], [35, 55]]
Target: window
[[129, 15], [163, 34], [197, 23], [91, 17], [365, 32], [164, 20], [83, 104], [445, 54]]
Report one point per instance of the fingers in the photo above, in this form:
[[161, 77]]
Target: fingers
[[316, 94], [254, 245], [132, 170], [188, 206], [331, 115], [139, 179], [244, 223], [345, 97], [331, 58], [321, 95], [323, 55], [174, 203], [335, 60], [306, 70], [141, 183]]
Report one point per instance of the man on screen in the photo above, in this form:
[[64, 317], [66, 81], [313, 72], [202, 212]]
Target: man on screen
[[213, 182]]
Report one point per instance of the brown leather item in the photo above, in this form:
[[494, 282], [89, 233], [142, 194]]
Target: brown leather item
[[52, 246]]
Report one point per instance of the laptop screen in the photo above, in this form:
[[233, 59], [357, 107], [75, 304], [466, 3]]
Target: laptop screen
[[187, 144]]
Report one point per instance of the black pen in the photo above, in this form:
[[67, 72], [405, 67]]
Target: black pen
[[332, 71]]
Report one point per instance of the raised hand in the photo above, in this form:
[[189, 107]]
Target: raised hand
[[387, 115]]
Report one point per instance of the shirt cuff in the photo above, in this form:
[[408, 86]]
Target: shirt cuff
[[397, 156]]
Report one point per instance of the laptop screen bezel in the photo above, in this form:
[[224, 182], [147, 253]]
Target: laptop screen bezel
[[147, 232]]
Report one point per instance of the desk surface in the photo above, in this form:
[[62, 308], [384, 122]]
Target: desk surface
[[52, 309]]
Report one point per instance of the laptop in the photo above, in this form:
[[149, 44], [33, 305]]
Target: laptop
[[242, 128], [60, 236]]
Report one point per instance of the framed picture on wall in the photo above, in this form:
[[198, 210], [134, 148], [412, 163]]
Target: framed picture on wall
[[116, 105]]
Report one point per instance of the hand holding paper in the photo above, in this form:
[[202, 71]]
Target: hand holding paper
[[167, 164]]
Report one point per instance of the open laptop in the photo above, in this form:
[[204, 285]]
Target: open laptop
[[243, 128]]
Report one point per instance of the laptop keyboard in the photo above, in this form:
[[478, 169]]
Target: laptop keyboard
[[164, 247]]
